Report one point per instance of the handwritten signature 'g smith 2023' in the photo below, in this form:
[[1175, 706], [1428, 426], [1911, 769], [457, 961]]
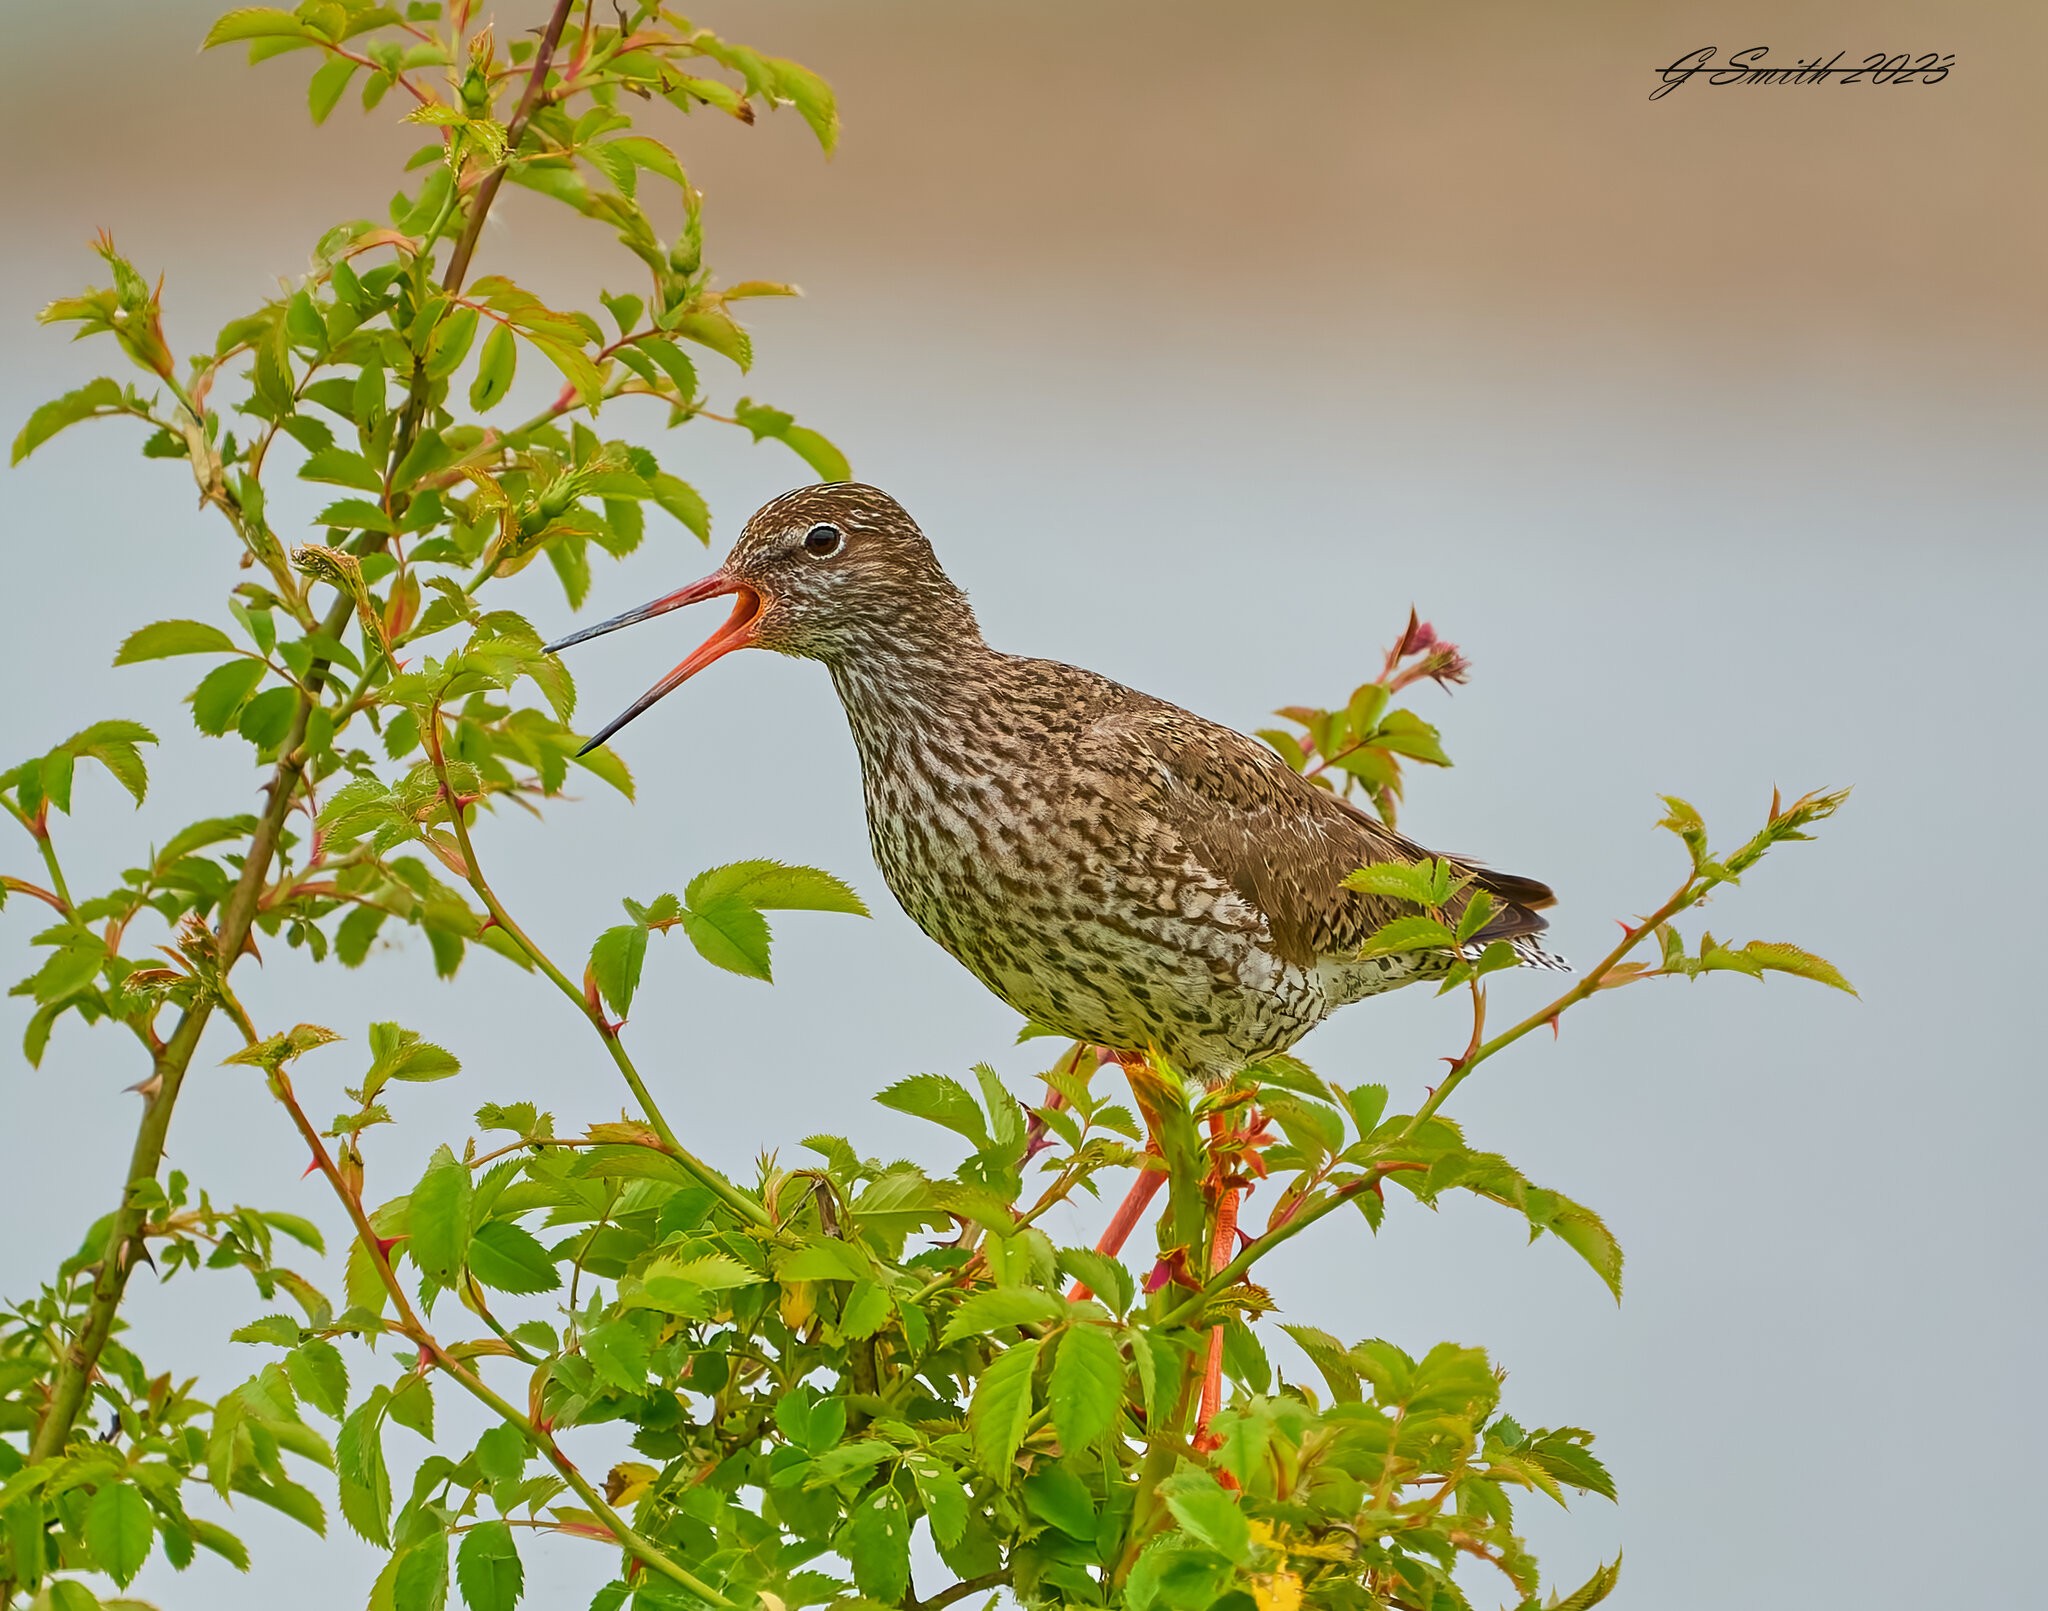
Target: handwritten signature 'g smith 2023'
[[1750, 67]]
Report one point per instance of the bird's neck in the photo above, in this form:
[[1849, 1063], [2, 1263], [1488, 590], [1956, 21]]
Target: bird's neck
[[917, 693]]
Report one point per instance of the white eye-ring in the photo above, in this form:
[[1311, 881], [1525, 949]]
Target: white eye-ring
[[822, 542]]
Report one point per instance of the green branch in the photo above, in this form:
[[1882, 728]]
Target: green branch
[[726, 1192], [538, 1438]]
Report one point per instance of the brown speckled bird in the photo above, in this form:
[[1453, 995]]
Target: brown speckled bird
[[1117, 869]]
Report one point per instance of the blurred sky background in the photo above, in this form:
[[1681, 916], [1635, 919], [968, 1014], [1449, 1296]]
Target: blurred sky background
[[1204, 340]]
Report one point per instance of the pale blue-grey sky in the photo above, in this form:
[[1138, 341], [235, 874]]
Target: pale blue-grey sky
[[1202, 347]]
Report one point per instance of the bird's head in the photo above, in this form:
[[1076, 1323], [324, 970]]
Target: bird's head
[[835, 573]]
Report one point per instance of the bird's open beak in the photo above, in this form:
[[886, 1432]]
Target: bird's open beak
[[737, 633]]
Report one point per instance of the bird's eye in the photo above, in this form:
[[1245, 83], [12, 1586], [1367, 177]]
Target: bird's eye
[[824, 541]]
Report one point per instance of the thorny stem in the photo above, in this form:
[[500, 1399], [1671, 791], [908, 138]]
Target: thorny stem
[[487, 191], [79, 1362], [409, 1323], [729, 1194], [1687, 894], [238, 915]]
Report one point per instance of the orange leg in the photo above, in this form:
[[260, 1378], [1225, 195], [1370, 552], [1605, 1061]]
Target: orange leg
[[1146, 1186], [1222, 1248]]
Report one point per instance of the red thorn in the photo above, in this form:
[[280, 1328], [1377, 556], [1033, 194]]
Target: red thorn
[[385, 1244], [310, 1169], [1555, 1030]]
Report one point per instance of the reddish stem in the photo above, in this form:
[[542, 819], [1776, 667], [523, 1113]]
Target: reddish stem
[[1125, 1220]]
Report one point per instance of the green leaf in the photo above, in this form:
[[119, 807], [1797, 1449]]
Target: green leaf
[[68, 1594], [1001, 1408], [683, 501], [1208, 1514], [1054, 1494], [363, 1478], [1775, 956], [254, 22], [812, 98], [942, 1100], [502, 1453], [439, 1217], [266, 719], [1406, 733], [1564, 1454], [1086, 1388], [876, 1543], [222, 693], [775, 886], [943, 1495], [1328, 1356], [319, 1376], [996, 1308], [339, 467], [1108, 1278], [615, 963], [419, 1573], [175, 637], [328, 83], [488, 1569], [495, 369], [730, 934], [679, 1284], [507, 1258], [1406, 934], [618, 1352], [95, 399], [1429, 882], [118, 1530]]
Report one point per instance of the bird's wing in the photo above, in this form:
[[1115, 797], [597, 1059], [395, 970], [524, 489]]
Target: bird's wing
[[1277, 840]]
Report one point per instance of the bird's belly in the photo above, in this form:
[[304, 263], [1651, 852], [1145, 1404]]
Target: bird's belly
[[1079, 944]]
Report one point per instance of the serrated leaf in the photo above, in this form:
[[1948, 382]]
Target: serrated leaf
[[164, 638], [363, 1479], [508, 1258], [942, 1100], [254, 22], [439, 1217], [119, 1528], [1001, 1408], [1208, 1514], [222, 693], [339, 467], [997, 1308], [96, 398], [1108, 1278], [776, 886], [682, 1282], [496, 366], [615, 963], [329, 80], [683, 501], [1775, 956], [618, 1353], [1406, 934], [1086, 1387], [319, 1376], [488, 1569], [731, 934], [943, 1495], [876, 1543]]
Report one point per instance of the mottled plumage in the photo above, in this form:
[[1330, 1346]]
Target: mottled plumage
[[1115, 868]]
